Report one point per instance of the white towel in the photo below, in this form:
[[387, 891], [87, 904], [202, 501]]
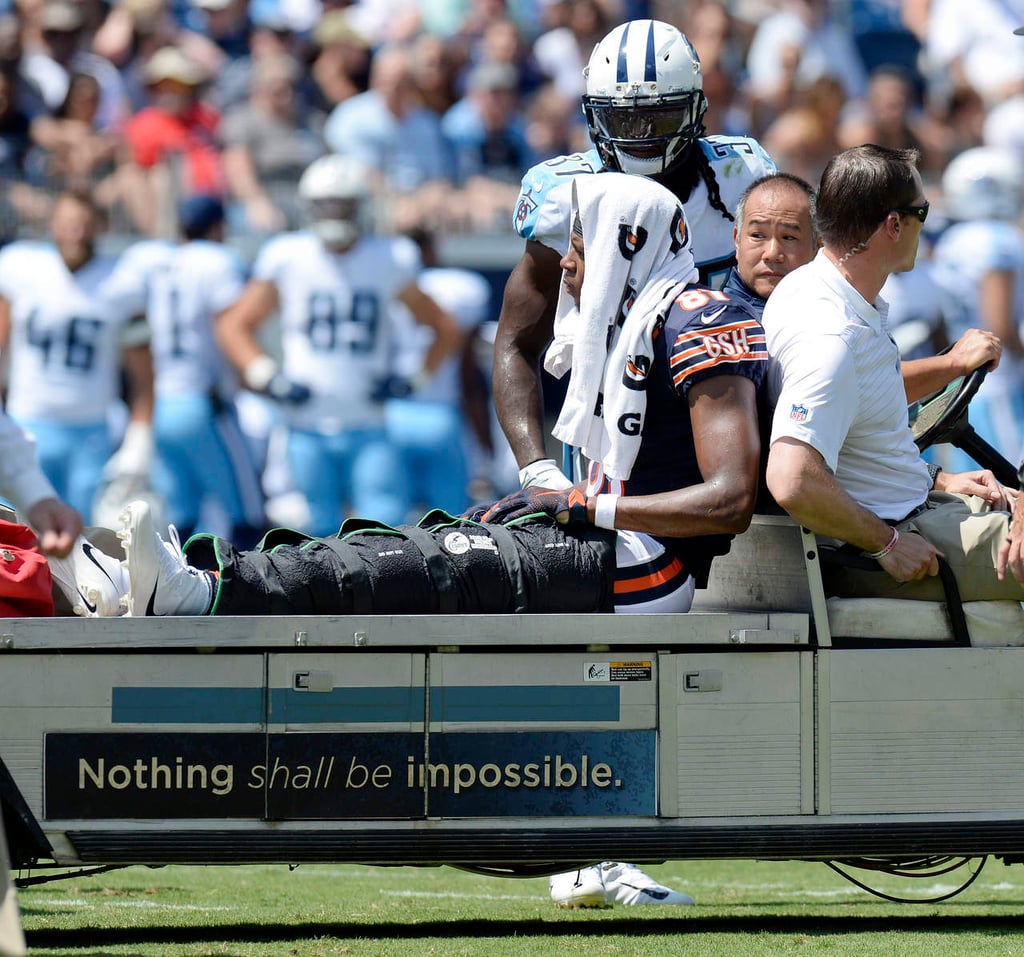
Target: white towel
[[637, 260]]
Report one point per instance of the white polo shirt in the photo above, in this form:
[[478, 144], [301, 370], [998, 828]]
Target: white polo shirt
[[835, 380]]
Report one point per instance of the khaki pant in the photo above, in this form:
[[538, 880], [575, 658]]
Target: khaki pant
[[967, 532]]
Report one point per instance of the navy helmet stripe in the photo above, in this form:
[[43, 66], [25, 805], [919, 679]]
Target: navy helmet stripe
[[621, 69], [650, 70]]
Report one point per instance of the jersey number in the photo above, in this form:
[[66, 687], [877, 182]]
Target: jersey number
[[355, 332], [75, 349]]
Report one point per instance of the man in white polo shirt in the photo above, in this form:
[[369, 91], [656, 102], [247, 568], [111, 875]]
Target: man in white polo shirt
[[842, 460]]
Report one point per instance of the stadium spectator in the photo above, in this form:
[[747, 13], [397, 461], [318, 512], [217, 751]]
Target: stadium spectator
[[174, 139], [554, 124], [340, 64], [73, 152], [63, 323], [503, 42], [21, 204], [433, 73], [889, 116], [978, 51], [486, 129], [267, 145], [63, 52], [12, 60], [562, 53], [791, 49], [388, 129], [805, 137]]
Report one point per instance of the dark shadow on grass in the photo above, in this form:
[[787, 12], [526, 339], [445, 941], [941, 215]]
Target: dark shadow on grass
[[807, 926]]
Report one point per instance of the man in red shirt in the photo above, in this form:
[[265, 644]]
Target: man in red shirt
[[177, 125]]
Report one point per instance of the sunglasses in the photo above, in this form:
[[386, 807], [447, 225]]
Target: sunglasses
[[921, 212]]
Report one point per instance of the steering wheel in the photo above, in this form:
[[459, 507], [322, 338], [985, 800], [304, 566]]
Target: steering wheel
[[942, 416]]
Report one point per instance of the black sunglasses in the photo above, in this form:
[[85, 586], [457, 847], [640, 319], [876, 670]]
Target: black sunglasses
[[921, 212]]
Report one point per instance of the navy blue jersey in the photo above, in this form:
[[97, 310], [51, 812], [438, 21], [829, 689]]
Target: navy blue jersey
[[706, 333]]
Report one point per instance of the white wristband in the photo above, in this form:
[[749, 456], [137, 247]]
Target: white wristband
[[258, 372], [604, 510]]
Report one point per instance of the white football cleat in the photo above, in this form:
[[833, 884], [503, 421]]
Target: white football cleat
[[608, 883], [94, 583], [162, 581]]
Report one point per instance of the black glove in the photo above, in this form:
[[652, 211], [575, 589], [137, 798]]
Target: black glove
[[567, 506], [283, 389], [391, 387]]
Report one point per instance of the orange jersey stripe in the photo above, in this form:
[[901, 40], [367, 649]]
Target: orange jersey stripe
[[659, 577]]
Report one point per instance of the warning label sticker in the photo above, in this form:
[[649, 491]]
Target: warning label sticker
[[617, 671]]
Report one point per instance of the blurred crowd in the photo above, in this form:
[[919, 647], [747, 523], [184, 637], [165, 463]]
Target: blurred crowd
[[145, 100], [141, 104]]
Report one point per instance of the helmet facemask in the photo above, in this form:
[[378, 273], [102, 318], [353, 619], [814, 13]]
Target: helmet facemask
[[645, 135]]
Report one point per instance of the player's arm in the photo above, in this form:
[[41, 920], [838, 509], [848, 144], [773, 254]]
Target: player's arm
[[5, 323], [448, 337], [973, 349], [804, 485], [525, 327], [996, 296], [235, 329], [723, 412]]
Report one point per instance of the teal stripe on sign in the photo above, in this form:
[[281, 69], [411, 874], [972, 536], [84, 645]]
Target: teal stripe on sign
[[348, 705], [186, 706], [525, 703], [401, 705]]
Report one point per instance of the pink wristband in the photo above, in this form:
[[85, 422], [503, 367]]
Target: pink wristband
[[888, 548]]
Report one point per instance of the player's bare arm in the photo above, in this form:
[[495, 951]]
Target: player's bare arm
[[723, 411], [236, 327], [447, 336], [524, 330]]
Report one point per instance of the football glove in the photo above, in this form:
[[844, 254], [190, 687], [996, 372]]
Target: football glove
[[283, 389], [566, 506]]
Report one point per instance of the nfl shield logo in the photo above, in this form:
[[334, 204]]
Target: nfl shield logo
[[798, 413]]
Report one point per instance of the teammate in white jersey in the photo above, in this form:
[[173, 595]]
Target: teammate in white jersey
[[203, 456], [64, 322], [644, 106], [333, 286], [979, 266]]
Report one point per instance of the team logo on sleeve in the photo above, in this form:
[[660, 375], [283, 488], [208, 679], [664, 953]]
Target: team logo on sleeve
[[636, 371], [631, 240], [798, 413], [678, 231], [525, 207]]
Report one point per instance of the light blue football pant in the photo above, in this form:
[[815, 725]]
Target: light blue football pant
[[355, 473], [429, 438], [72, 458], [203, 456]]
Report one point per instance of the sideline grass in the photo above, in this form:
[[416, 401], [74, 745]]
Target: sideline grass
[[744, 907]]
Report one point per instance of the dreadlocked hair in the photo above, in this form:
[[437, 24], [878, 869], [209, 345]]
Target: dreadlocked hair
[[710, 181]]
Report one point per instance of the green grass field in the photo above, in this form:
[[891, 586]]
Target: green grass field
[[743, 907]]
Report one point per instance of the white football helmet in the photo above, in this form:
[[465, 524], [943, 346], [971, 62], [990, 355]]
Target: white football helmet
[[983, 183], [336, 191], [644, 102]]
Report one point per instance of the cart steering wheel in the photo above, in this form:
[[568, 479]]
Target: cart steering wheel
[[942, 416]]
